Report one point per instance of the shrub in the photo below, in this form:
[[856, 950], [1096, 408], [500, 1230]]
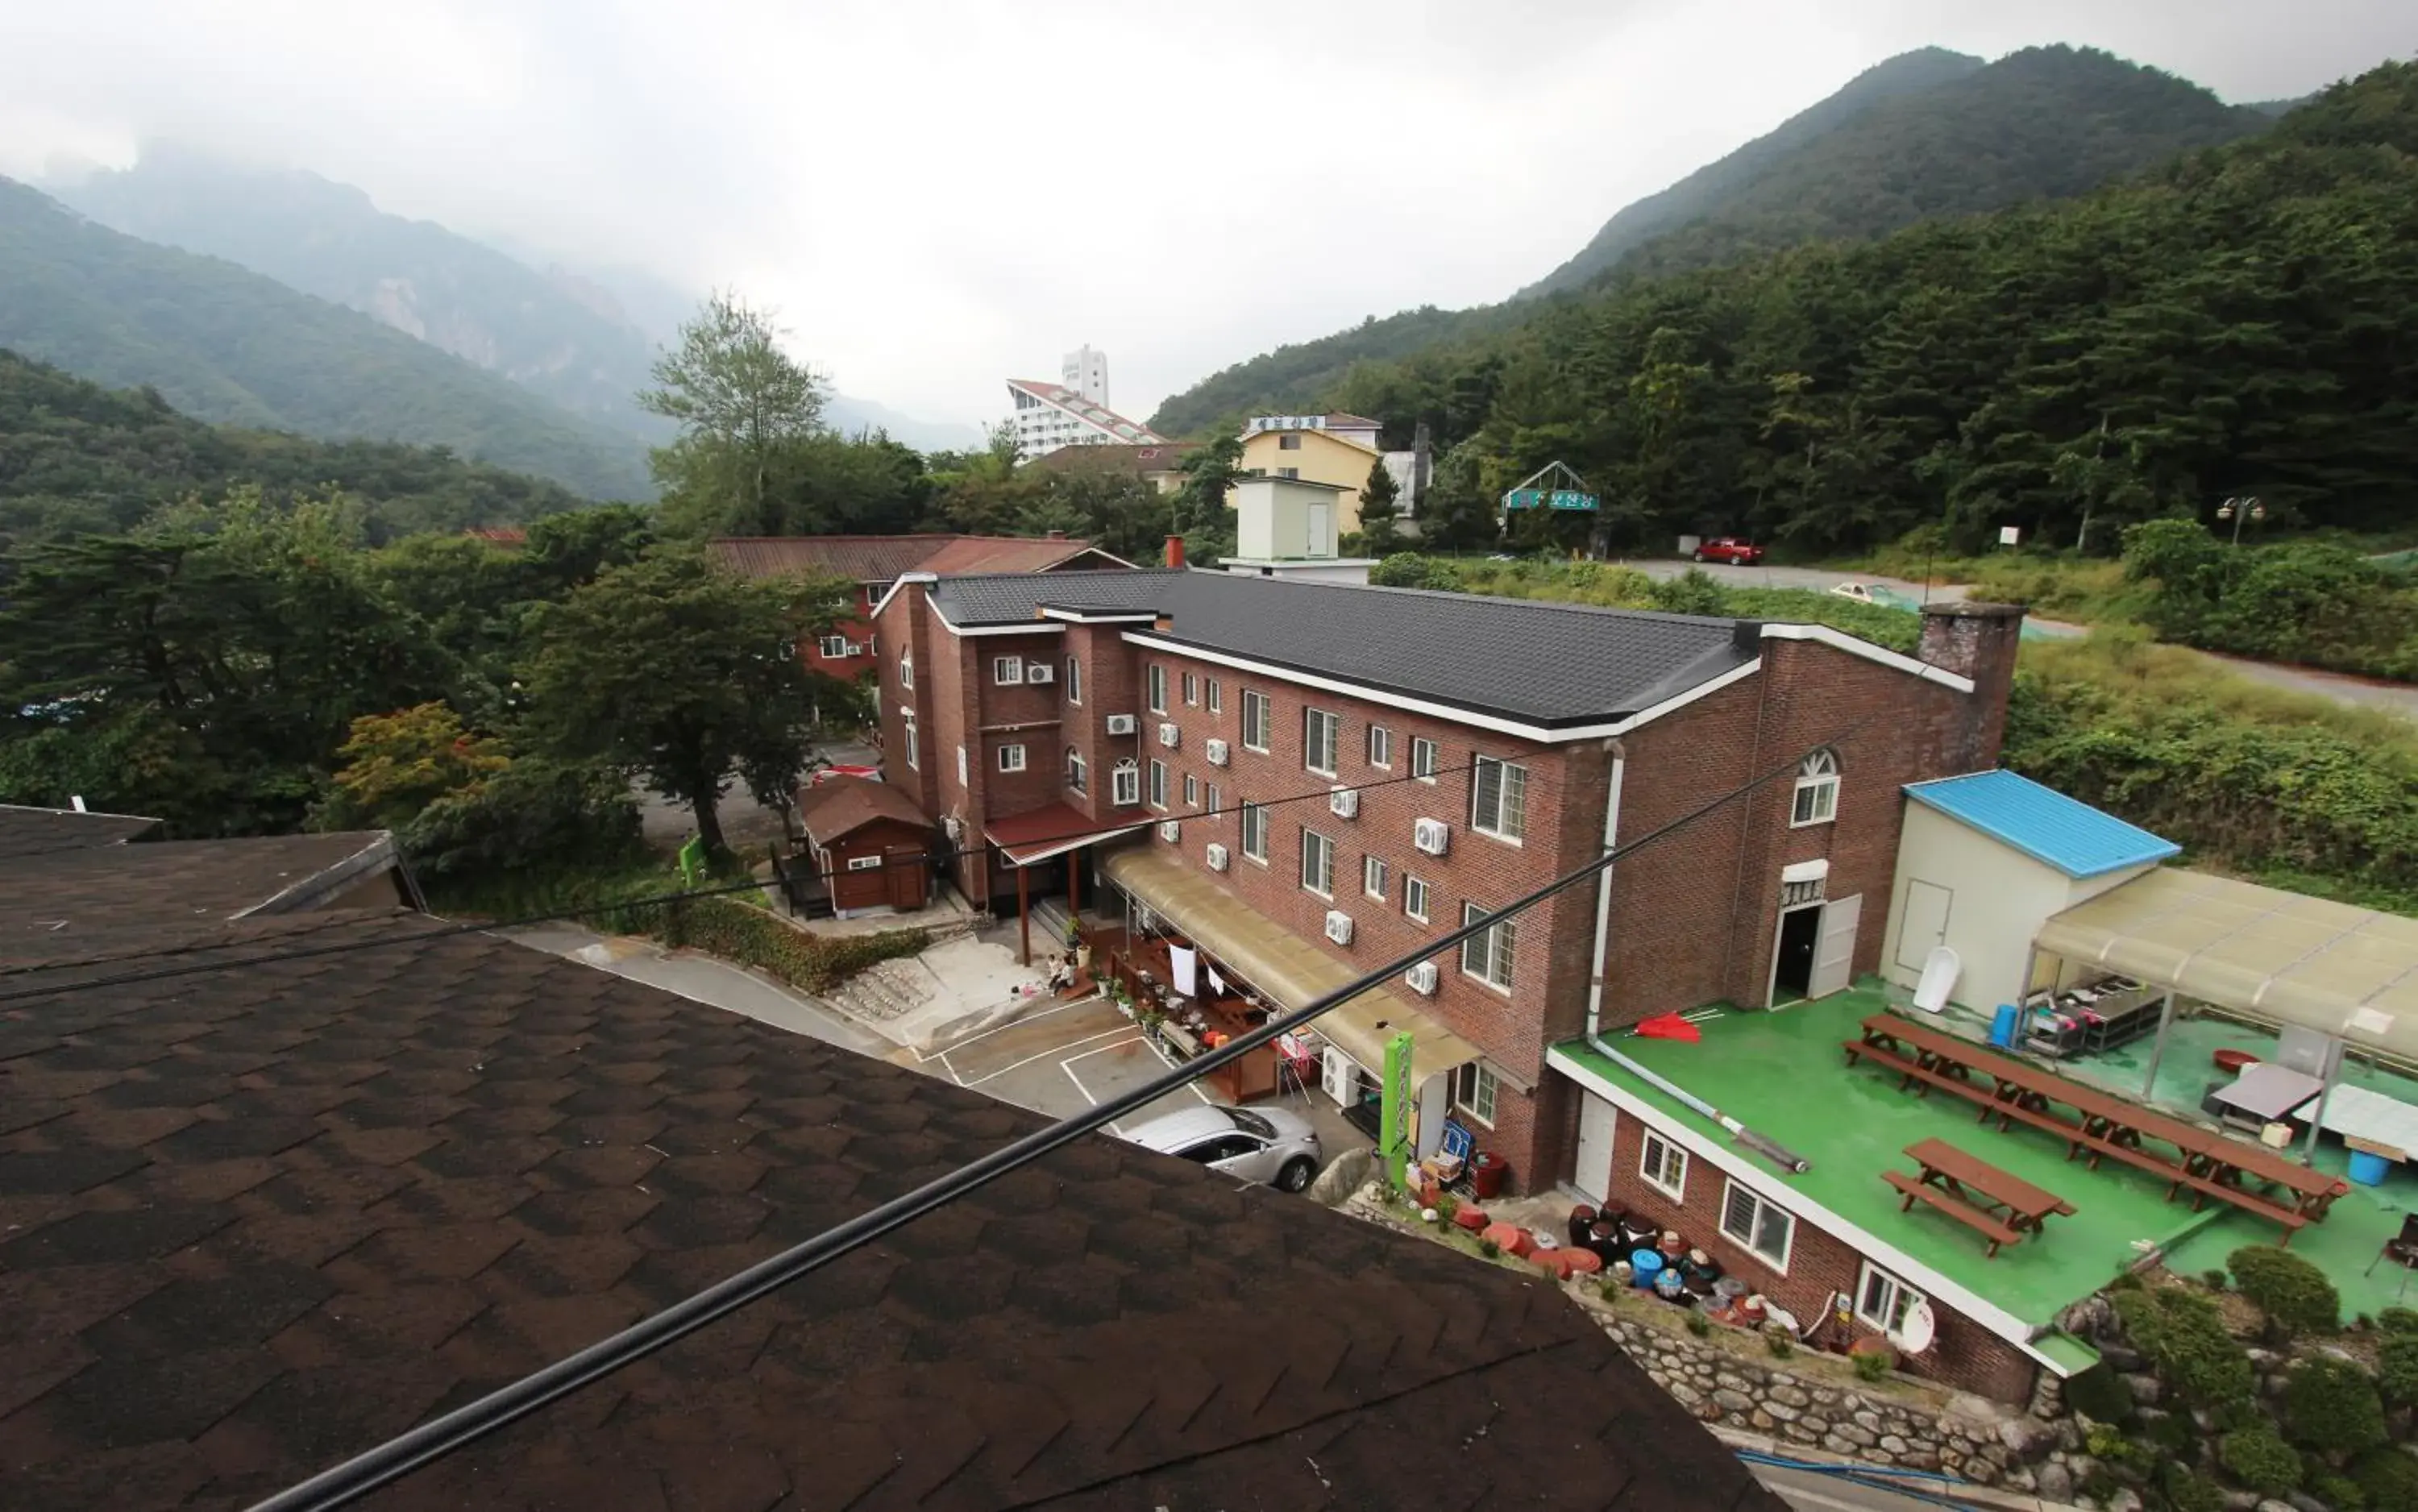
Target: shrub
[[1489, 1248], [2189, 1492], [2098, 1394], [2387, 1478], [2183, 1335], [2330, 1407], [2397, 1368], [1692, 591], [1408, 569], [2294, 1295], [534, 815], [2340, 1493], [1698, 1323], [1872, 1367], [2397, 1321], [2259, 1458], [2212, 1279], [729, 928], [1779, 1345]]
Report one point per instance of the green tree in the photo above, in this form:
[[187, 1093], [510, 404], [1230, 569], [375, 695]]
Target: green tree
[[740, 403], [677, 672], [396, 765], [1210, 473], [1378, 514]]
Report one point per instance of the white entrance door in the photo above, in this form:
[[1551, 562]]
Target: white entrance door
[[1336, 1075], [1593, 1172], [1321, 531], [1924, 927], [1834, 953]]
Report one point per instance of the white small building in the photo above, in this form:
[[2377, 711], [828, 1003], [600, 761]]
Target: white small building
[[1983, 862], [1287, 528]]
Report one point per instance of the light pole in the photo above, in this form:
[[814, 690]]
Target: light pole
[[2239, 509]]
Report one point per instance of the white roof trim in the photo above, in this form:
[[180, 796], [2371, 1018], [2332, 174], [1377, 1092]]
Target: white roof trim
[[1805, 871], [1840, 640], [1029, 627], [904, 578], [1447, 712], [1100, 616], [1763, 1183]]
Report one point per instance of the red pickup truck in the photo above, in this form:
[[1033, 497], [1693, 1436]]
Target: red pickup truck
[[1730, 549]]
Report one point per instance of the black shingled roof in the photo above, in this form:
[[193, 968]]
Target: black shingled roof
[[35, 832], [255, 1221], [1549, 664]]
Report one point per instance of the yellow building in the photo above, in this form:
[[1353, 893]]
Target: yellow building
[[1319, 449]]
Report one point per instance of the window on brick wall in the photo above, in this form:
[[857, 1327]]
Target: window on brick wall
[[1498, 798], [1156, 677], [832, 648], [1473, 1091], [1158, 783], [1882, 1300], [1381, 746], [911, 753], [1074, 680], [1375, 877], [1415, 899], [961, 767], [1191, 689], [907, 669], [1255, 721], [1191, 791], [1758, 1223], [1487, 955], [1663, 1166], [1011, 758], [1423, 758], [1077, 771], [1216, 799], [1217, 696], [1317, 863], [1124, 783], [1817, 790], [1007, 671], [1255, 832], [1319, 730]]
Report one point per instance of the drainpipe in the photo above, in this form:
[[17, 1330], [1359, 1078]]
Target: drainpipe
[[1769, 1149]]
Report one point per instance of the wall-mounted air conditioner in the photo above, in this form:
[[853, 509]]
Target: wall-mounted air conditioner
[[1215, 750], [1170, 735], [1218, 858], [1433, 836], [1170, 830], [1422, 978], [1040, 672], [1338, 926], [1122, 725], [1344, 803]]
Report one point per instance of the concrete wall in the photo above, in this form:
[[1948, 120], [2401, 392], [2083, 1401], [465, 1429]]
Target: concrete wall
[[1322, 458]]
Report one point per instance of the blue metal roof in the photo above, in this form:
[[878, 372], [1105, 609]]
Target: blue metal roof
[[2043, 823]]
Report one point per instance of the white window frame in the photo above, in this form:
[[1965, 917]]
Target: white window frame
[[1427, 758], [1511, 799], [1074, 680], [1815, 799], [1376, 878], [1215, 692], [1487, 945], [1079, 772], [1155, 681], [1007, 671], [1325, 850], [1896, 1297], [906, 669], [1312, 747], [1381, 747], [1192, 689], [1255, 820], [1011, 758], [1216, 800], [1124, 784], [1257, 713], [1474, 1090], [1416, 888], [961, 767], [1191, 791], [1658, 1174], [864, 864], [1763, 1205], [1158, 785], [914, 744], [832, 648]]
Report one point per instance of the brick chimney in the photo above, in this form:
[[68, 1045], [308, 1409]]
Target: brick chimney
[[1977, 641], [1175, 551]]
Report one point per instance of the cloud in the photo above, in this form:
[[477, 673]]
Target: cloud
[[939, 195]]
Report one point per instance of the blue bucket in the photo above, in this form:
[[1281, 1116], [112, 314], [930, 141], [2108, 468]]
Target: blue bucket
[[2004, 1025], [1644, 1265], [2367, 1169]]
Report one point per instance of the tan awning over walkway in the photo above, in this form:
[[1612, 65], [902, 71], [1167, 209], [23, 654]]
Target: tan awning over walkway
[[1283, 966], [2311, 963]]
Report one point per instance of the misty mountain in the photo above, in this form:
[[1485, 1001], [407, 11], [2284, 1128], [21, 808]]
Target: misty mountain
[[1926, 134]]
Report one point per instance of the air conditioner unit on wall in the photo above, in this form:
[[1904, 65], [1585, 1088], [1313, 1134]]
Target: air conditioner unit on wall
[[1169, 735], [1215, 750], [1218, 858], [1338, 926], [1122, 725], [1170, 830], [1344, 803], [1422, 978], [1040, 672], [1432, 837]]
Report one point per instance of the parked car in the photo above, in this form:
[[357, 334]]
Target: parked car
[[1256, 1144], [1875, 594], [1730, 549]]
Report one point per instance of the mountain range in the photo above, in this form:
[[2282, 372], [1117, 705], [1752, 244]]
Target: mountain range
[[1926, 134]]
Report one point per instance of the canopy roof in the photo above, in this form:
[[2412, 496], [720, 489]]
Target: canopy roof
[[2311, 963], [1282, 965]]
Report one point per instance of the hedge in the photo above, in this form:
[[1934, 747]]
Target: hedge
[[818, 963], [2330, 1406], [2294, 1295]]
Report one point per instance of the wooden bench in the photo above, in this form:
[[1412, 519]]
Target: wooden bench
[[1911, 1072], [2251, 1202], [1956, 1207]]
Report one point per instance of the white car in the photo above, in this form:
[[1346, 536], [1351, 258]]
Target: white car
[[1860, 593], [1254, 1144]]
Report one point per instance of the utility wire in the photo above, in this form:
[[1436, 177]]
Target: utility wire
[[398, 1457], [586, 910]]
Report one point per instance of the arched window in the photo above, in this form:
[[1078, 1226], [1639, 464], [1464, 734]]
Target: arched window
[[1125, 782], [1818, 789]]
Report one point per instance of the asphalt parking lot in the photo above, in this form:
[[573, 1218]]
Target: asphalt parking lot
[[1062, 1059]]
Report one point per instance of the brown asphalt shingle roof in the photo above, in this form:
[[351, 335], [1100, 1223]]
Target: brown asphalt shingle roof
[[882, 558], [839, 805], [34, 832], [255, 1221]]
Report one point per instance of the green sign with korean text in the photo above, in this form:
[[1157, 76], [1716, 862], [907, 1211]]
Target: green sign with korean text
[[1394, 1111], [1552, 486]]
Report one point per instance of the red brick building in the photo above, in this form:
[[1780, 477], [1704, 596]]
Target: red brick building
[[1488, 745], [875, 563]]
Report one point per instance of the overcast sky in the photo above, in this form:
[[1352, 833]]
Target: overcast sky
[[939, 195]]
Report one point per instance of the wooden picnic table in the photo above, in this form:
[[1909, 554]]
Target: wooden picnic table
[[2000, 1205]]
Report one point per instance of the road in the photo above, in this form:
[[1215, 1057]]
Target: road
[[707, 980]]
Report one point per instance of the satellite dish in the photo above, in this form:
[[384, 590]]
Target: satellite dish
[[1920, 1328]]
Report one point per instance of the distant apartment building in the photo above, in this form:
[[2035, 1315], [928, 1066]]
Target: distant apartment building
[[1159, 463], [1072, 412], [1335, 449]]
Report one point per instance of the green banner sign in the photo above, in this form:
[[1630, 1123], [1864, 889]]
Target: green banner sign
[[1394, 1111], [1524, 498], [1570, 498]]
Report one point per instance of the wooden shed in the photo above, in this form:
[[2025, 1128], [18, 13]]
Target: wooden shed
[[871, 843]]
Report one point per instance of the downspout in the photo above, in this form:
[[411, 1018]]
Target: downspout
[[1769, 1149]]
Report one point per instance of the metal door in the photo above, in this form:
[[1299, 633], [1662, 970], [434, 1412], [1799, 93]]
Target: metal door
[[1593, 1172], [1834, 954], [1924, 926]]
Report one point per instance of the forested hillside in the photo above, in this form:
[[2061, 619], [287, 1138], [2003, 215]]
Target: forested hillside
[[1931, 133], [328, 239], [76, 458], [235, 347], [2235, 323]]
